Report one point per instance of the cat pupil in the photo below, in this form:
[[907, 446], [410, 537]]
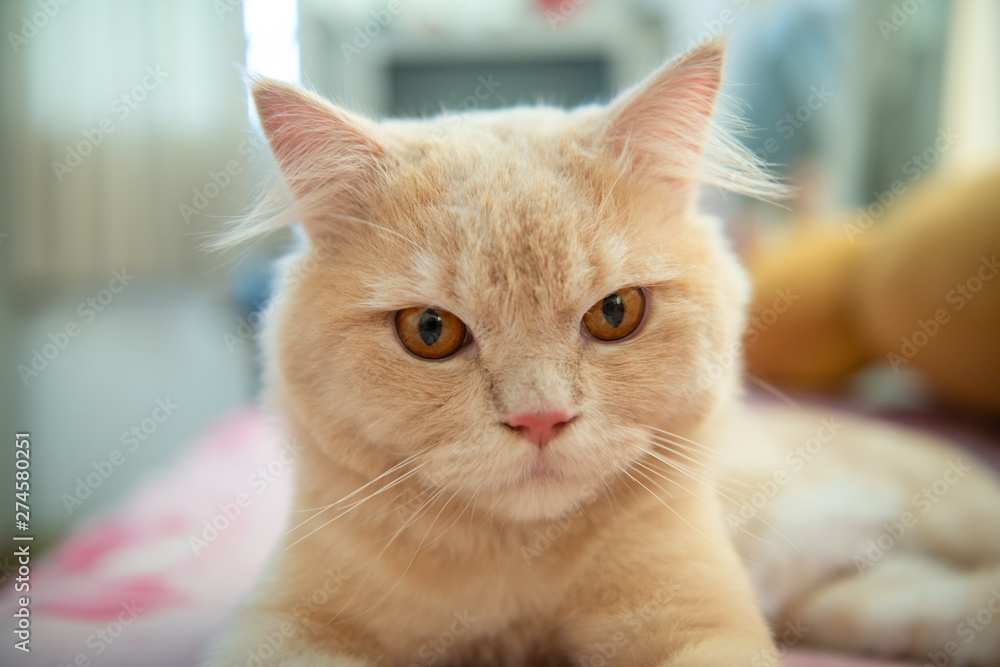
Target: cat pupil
[[614, 310], [429, 327]]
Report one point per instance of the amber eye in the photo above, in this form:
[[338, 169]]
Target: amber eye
[[617, 315], [430, 333]]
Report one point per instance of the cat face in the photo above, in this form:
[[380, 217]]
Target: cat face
[[484, 244]]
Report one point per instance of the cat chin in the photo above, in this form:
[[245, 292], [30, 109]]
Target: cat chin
[[541, 500]]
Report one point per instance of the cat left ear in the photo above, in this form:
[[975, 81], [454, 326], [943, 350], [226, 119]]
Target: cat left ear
[[328, 156], [662, 124]]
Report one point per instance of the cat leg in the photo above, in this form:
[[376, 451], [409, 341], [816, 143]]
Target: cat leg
[[679, 636], [896, 539], [927, 582], [669, 594], [909, 604]]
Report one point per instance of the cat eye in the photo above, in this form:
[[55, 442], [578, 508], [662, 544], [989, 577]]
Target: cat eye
[[430, 333], [617, 315]]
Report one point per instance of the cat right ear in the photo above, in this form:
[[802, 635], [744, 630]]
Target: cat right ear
[[664, 128], [327, 156], [664, 121]]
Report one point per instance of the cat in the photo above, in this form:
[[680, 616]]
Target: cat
[[497, 349]]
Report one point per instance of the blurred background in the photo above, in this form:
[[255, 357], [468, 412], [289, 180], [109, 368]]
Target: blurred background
[[126, 137]]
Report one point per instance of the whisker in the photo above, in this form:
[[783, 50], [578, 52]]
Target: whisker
[[416, 515], [472, 514], [454, 521], [722, 475], [680, 450], [661, 475], [354, 505], [675, 512], [324, 508], [363, 487], [370, 517], [741, 528], [360, 502], [774, 391], [705, 448], [713, 488], [417, 550], [718, 468], [609, 494], [503, 524]]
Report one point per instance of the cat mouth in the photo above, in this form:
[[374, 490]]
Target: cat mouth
[[541, 470]]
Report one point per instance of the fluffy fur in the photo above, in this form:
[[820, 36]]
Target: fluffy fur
[[428, 531]]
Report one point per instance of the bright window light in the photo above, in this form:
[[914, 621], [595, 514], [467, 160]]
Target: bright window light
[[271, 28]]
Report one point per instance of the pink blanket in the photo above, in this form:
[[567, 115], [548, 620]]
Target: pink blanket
[[149, 583]]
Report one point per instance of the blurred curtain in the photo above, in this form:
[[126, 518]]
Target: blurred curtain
[[971, 99], [112, 114], [897, 55]]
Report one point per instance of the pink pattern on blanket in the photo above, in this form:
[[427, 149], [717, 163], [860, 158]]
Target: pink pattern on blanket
[[82, 554], [148, 593], [151, 581]]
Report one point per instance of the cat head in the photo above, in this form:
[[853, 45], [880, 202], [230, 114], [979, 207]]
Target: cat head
[[516, 299]]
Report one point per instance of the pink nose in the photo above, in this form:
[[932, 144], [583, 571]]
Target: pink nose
[[539, 427]]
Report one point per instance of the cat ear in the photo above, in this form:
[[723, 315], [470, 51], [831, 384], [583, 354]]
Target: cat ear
[[662, 124], [664, 128], [326, 155]]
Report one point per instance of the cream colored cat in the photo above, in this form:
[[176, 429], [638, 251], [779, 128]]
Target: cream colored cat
[[500, 351]]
